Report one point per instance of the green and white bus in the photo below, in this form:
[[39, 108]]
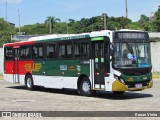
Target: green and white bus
[[116, 61]]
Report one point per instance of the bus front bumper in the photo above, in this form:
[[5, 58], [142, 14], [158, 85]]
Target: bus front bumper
[[118, 86]]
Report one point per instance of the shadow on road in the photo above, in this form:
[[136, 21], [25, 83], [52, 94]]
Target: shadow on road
[[98, 94]]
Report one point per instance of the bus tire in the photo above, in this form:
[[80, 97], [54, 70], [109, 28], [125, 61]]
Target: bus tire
[[85, 87], [29, 82]]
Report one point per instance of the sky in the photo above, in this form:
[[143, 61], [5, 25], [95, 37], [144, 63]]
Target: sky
[[37, 11]]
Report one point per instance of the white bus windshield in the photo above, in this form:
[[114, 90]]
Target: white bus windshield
[[135, 55]]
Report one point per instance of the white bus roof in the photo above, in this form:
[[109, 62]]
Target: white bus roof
[[91, 34]]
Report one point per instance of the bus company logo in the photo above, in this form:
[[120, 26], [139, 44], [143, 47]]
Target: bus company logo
[[6, 114], [33, 67], [72, 67]]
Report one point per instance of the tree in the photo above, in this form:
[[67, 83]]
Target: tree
[[157, 22], [38, 28], [144, 22], [143, 19], [123, 22], [51, 21], [113, 25], [135, 26], [6, 30], [71, 21]]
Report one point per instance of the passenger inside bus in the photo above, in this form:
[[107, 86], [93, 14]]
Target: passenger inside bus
[[125, 53]]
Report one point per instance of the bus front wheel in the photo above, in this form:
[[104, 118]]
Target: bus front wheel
[[29, 82], [85, 87]]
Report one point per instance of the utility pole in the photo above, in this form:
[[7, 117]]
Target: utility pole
[[50, 26], [67, 25], [104, 19], [127, 14], [6, 10], [92, 24], [19, 22]]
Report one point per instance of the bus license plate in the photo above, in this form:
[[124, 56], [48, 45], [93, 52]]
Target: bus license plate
[[139, 85]]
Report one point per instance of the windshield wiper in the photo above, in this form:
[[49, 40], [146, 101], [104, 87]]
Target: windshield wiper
[[129, 47]]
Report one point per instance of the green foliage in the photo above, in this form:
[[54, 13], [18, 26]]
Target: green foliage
[[6, 30], [135, 26], [74, 27], [51, 21], [96, 23], [157, 22], [35, 29]]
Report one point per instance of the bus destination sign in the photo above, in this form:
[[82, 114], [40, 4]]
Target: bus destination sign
[[131, 35]]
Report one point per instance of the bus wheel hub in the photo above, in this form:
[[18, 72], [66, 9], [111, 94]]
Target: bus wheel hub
[[86, 86]]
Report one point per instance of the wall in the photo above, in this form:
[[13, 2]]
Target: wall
[[155, 53], [1, 61]]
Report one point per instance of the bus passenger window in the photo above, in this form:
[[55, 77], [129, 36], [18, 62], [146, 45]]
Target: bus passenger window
[[25, 53], [51, 51], [81, 50], [77, 50], [37, 52], [65, 51], [85, 50], [8, 53]]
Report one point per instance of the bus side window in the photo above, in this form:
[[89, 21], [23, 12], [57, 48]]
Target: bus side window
[[77, 50], [25, 53], [65, 50], [81, 50], [8, 53], [37, 52], [85, 50], [51, 51]]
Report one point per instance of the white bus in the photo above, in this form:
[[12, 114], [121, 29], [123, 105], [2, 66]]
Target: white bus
[[105, 60]]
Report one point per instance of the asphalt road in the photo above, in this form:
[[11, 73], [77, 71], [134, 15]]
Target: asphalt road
[[14, 97]]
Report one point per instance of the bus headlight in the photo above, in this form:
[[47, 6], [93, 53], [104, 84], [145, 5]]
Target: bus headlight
[[122, 81], [119, 79]]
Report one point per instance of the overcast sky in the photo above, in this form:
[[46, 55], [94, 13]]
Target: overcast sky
[[36, 11]]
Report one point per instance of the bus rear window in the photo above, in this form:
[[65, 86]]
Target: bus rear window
[[8, 53]]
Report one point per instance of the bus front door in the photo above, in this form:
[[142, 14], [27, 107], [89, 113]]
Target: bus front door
[[15, 65], [99, 66]]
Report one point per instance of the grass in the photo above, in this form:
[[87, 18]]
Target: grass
[[1, 77], [156, 74]]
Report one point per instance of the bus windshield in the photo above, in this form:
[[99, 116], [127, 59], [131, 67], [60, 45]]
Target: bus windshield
[[129, 54]]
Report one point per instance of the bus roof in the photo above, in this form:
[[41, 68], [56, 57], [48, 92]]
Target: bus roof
[[59, 37], [124, 30]]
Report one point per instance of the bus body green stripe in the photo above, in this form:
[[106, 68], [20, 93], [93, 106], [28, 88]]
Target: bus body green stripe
[[97, 38], [68, 68]]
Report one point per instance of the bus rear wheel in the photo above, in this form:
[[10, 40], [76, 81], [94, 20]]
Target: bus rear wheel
[[85, 87], [29, 82]]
